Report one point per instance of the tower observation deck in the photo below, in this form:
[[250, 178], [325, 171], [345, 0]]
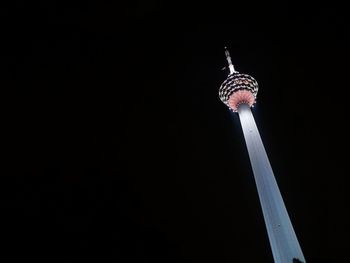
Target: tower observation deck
[[239, 93]]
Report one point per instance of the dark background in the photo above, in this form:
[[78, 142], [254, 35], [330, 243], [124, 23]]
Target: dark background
[[121, 151]]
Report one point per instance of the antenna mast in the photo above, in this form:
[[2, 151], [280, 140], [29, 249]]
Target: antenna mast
[[230, 65]]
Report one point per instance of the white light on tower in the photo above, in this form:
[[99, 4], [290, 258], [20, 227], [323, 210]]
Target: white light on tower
[[239, 92]]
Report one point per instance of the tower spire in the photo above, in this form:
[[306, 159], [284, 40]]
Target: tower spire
[[230, 65]]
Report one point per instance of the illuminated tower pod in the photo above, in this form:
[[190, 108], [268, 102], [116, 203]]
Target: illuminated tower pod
[[239, 92]]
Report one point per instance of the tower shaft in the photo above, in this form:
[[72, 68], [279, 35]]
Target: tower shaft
[[284, 243]]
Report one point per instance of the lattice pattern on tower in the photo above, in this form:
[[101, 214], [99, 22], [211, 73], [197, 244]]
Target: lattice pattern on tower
[[236, 83]]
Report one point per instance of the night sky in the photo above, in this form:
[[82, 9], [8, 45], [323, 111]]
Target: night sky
[[121, 151]]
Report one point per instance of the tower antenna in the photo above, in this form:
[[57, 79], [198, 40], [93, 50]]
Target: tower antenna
[[230, 65]]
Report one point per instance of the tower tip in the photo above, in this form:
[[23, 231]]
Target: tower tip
[[228, 57]]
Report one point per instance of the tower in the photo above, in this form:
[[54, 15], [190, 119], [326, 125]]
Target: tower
[[239, 93]]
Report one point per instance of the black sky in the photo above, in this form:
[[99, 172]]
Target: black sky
[[121, 151]]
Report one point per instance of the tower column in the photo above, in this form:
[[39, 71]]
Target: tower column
[[284, 243]]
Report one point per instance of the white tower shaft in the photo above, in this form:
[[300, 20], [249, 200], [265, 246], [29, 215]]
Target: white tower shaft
[[284, 243]]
